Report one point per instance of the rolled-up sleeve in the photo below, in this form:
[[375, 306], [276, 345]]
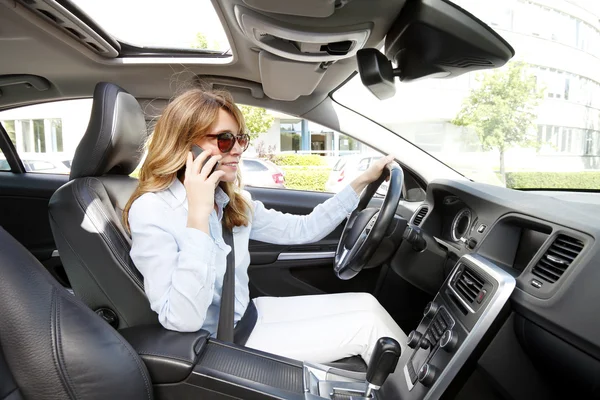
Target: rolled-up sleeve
[[278, 228], [179, 278]]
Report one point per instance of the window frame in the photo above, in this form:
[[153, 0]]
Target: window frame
[[10, 153], [9, 149]]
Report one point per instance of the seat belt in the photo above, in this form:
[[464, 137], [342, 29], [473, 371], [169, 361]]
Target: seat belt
[[226, 313]]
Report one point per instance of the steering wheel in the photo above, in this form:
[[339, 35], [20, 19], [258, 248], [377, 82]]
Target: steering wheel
[[366, 227]]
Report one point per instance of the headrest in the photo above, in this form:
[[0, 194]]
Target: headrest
[[114, 137]]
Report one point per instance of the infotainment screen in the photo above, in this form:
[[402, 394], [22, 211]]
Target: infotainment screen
[[530, 243], [513, 242]]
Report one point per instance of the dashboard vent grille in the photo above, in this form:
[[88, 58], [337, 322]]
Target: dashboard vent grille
[[557, 258], [420, 215], [468, 285]]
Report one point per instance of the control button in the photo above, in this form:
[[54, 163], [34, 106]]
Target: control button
[[481, 296], [427, 375], [536, 284], [414, 339], [424, 344], [443, 324], [471, 243], [438, 328], [481, 228], [448, 341], [430, 310], [446, 316]]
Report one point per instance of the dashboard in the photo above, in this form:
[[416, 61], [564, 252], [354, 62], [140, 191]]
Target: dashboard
[[546, 241]]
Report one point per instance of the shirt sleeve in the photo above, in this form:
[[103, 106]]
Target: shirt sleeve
[[179, 279], [278, 228]]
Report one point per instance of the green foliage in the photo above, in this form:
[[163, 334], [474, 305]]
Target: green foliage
[[201, 42], [553, 180], [257, 120], [299, 160], [503, 109], [306, 178]]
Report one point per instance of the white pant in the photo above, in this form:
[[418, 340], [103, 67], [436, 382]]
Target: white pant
[[322, 328]]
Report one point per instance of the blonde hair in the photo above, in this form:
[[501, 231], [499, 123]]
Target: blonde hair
[[186, 120]]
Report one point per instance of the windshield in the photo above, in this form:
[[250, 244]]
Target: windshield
[[550, 141]]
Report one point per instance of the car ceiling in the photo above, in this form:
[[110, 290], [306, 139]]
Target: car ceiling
[[30, 44]]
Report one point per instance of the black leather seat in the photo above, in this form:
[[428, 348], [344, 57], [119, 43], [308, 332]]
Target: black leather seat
[[85, 213], [54, 347]]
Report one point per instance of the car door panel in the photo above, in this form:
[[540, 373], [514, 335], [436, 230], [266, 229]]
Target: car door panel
[[24, 201], [277, 270]]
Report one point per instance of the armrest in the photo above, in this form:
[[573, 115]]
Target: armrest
[[169, 356]]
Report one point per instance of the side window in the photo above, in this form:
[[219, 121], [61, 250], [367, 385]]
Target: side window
[[299, 154], [46, 135], [3, 163]]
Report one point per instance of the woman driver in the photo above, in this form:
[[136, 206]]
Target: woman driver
[[174, 217]]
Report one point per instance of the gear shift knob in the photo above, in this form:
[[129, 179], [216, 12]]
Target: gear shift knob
[[382, 363]]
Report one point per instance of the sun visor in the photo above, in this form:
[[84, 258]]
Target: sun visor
[[287, 80]]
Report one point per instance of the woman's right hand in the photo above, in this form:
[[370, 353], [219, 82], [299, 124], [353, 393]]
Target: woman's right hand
[[200, 188]]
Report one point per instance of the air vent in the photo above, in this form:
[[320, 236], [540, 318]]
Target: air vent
[[557, 258], [468, 285], [420, 215]]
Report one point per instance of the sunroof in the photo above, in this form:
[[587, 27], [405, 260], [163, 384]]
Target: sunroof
[[173, 24]]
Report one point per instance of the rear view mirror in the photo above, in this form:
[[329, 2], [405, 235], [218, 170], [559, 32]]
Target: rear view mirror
[[376, 73], [431, 39]]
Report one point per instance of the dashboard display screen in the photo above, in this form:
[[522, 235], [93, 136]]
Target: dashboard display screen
[[530, 243], [513, 243]]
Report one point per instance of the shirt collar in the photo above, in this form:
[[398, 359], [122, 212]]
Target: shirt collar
[[178, 191]]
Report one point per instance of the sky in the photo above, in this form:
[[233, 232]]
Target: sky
[[158, 23]]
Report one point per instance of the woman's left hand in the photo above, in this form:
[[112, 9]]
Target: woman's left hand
[[375, 169], [371, 174]]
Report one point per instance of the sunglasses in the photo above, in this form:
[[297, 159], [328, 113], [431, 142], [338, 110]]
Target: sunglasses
[[226, 141]]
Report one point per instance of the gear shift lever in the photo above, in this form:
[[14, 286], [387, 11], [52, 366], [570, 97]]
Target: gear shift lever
[[382, 363]]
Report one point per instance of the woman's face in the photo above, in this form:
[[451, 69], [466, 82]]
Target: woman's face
[[230, 161]]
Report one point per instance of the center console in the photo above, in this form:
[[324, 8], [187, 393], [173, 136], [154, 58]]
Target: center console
[[196, 366], [453, 324]]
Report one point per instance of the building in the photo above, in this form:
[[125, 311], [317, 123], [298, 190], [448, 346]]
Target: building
[[558, 39], [50, 128], [291, 134], [53, 131]]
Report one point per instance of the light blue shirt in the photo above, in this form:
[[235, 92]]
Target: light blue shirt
[[183, 267]]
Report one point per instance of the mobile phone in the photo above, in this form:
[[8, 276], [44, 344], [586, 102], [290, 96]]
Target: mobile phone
[[196, 151]]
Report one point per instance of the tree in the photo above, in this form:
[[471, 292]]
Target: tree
[[503, 110], [257, 120], [201, 42]]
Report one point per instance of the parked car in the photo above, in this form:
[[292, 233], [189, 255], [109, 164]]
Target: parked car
[[346, 169], [41, 163], [262, 173]]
